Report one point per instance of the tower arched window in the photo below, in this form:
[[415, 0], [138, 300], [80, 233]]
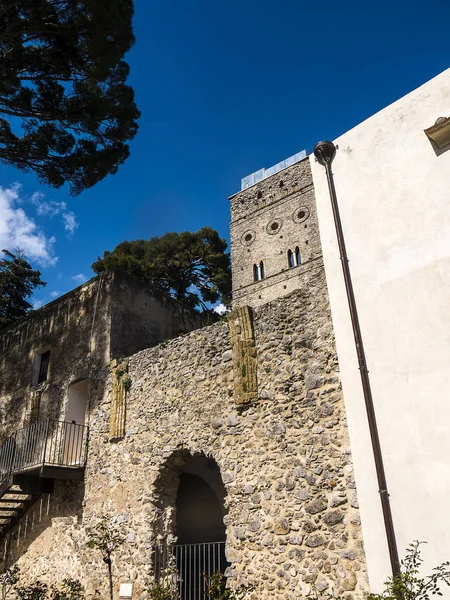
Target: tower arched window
[[255, 273], [294, 258], [258, 271], [291, 259]]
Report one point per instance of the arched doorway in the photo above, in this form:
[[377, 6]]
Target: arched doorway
[[197, 523]]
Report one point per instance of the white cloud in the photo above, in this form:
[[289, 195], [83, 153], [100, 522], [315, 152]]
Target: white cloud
[[37, 304], [70, 222], [55, 294], [18, 230], [80, 278], [52, 209], [220, 309]]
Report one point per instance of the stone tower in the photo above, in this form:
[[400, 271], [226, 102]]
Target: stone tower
[[274, 235]]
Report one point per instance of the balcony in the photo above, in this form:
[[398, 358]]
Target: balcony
[[32, 458]]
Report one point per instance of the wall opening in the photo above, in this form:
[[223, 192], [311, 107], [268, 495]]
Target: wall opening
[[258, 271], [73, 429], [77, 402], [200, 503], [294, 258], [40, 367], [191, 512]]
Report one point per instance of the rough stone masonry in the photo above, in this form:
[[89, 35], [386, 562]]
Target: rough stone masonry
[[292, 516]]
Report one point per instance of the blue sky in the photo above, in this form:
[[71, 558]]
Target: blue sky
[[224, 89]]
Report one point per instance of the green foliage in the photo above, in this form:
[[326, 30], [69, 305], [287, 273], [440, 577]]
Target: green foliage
[[216, 588], [104, 537], [69, 589], [126, 381], [409, 585], [67, 110], [160, 591], [107, 538], [192, 267], [18, 280], [8, 580], [34, 591]]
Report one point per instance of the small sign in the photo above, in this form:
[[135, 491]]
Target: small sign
[[126, 590]]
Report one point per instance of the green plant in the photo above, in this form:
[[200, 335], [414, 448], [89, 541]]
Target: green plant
[[8, 580], [216, 588], [160, 591], [409, 584], [126, 382], [69, 589], [120, 371], [34, 591], [106, 538]]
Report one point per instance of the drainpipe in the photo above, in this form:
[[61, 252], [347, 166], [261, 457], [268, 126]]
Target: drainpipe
[[325, 153]]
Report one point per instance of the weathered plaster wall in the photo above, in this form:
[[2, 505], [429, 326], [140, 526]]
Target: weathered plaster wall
[[292, 512], [109, 316], [75, 328], [393, 192], [142, 317], [267, 220]]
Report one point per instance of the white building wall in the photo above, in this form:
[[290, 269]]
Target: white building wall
[[394, 197]]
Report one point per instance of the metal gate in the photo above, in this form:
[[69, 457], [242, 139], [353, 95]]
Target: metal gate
[[185, 568]]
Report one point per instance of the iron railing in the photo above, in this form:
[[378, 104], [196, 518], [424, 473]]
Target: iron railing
[[44, 443], [185, 568]]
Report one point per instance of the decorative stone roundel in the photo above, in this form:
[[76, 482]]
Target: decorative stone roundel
[[274, 226], [248, 237], [300, 214]]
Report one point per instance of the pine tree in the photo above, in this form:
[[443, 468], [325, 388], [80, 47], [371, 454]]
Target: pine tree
[[66, 111], [18, 280], [192, 267]]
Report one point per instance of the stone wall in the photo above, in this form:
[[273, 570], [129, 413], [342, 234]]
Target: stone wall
[[112, 315], [142, 316], [291, 506], [75, 328], [268, 219]]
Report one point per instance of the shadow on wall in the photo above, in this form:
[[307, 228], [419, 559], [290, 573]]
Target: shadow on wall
[[190, 499], [62, 509]]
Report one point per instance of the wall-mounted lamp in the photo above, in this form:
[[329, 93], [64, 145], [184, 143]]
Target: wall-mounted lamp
[[440, 132]]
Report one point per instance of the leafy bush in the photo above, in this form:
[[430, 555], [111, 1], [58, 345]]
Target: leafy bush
[[104, 537], [160, 591], [216, 588], [34, 591], [408, 585], [70, 589], [8, 580]]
